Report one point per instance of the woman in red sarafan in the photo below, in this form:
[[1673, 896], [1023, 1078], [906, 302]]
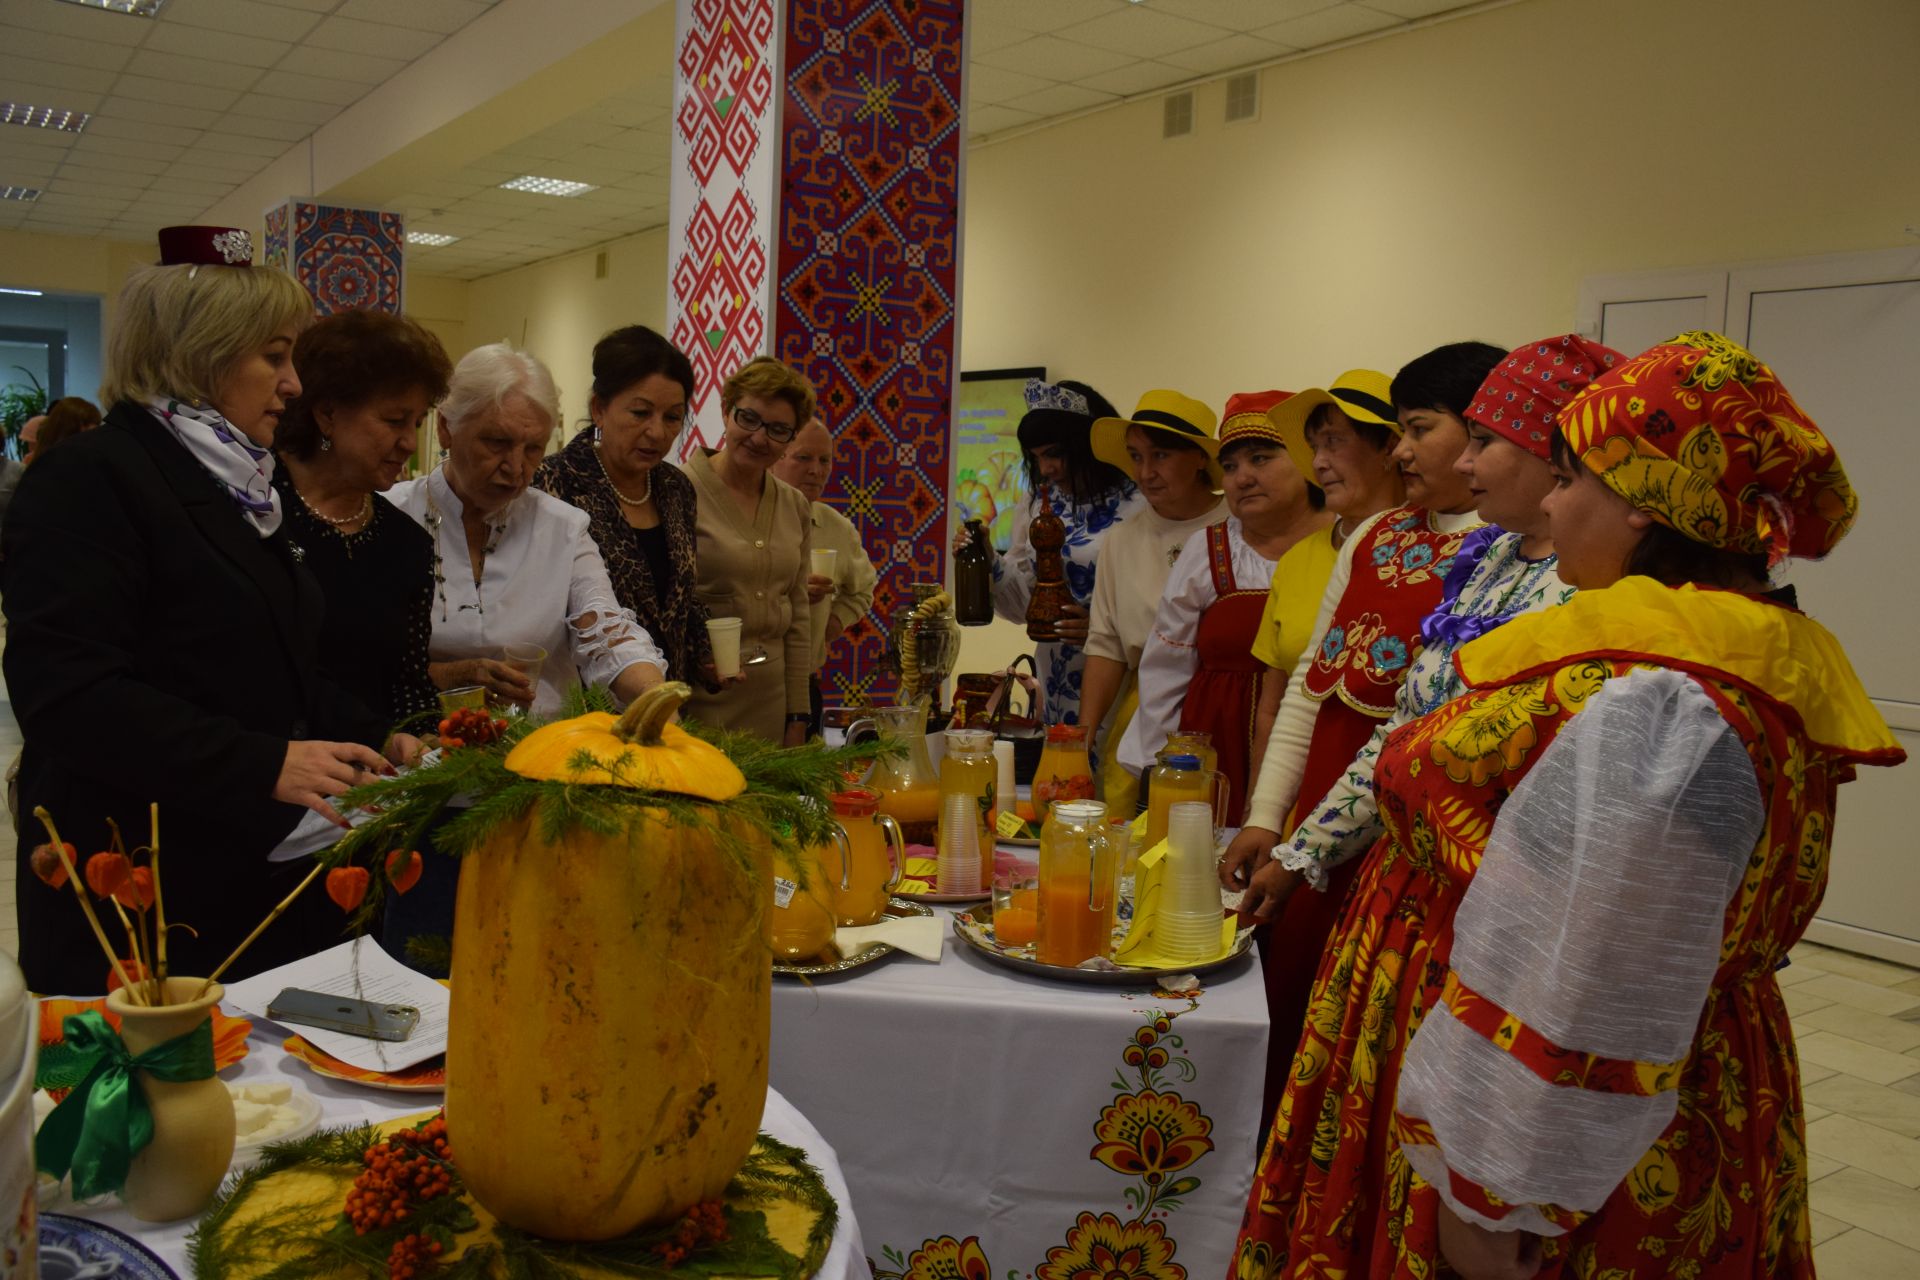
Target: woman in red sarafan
[[1546, 1038]]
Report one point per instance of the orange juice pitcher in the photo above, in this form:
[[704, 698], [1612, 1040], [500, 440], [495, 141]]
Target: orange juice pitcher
[[1190, 742], [1078, 885], [800, 925], [1064, 772], [1177, 778], [861, 872], [909, 788]]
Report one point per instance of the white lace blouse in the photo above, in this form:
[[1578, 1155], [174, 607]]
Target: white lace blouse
[[542, 582]]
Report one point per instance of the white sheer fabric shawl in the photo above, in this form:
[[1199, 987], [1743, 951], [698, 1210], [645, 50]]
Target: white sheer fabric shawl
[[1595, 918]]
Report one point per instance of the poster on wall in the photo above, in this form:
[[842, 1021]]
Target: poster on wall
[[990, 476]]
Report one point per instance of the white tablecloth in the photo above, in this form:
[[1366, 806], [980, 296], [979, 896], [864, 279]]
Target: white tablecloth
[[969, 1100], [345, 1104]]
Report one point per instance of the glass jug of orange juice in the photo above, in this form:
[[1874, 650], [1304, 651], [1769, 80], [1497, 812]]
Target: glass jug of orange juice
[[909, 788], [1064, 772], [800, 925], [860, 872], [1078, 884], [1178, 778], [1191, 742]]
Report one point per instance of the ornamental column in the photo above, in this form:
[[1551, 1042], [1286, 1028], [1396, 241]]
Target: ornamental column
[[817, 163], [349, 259]]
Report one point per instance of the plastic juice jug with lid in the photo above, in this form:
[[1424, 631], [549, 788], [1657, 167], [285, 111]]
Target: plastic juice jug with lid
[[858, 883], [1078, 885], [800, 925], [1190, 742], [1179, 778]]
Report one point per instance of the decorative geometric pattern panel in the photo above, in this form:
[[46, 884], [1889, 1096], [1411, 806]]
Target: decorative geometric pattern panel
[[724, 189], [348, 259], [869, 239]]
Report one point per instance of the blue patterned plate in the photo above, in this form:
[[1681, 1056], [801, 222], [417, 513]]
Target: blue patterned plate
[[77, 1249]]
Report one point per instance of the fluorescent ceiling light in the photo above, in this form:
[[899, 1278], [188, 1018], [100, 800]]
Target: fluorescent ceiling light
[[43, 117], [19, 193], [25, 293], [547, 186], [431, 239], [138, 8]]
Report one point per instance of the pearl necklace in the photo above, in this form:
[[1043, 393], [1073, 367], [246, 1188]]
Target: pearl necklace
[[366, 509], [646, 495]]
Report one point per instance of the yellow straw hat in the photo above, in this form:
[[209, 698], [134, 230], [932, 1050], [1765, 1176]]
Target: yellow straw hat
[[1364, 395], [1167, 411]]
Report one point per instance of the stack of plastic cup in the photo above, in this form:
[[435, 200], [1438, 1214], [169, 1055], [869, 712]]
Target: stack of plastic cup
[[959, 861], [1187, 927]]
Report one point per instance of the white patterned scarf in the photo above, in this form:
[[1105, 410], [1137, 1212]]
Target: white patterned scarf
[[242, 468]]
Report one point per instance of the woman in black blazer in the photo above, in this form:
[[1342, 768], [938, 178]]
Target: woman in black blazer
[[162, 635]]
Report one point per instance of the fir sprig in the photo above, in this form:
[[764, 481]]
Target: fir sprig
[[786, 797]]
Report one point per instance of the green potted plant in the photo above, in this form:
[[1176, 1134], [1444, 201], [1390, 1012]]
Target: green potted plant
[[18, 403]]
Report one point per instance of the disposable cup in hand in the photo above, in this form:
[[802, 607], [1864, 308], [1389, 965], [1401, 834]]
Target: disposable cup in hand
[[527, 659], [824, 559], [724, 633]]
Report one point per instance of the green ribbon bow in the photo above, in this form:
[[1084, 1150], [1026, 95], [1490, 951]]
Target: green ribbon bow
[[99, 1127]]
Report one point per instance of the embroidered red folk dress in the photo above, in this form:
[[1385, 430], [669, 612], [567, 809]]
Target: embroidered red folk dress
[[1225, 688], [1599, 1046], [1399, 568]]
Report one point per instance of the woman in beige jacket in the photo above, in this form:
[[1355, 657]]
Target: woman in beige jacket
[[752, 540]]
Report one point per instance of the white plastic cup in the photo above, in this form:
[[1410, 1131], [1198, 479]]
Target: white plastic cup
[[1004, 793], [724, 633], [1191, 883], [1187, 939], [958, 866], [824, 561]]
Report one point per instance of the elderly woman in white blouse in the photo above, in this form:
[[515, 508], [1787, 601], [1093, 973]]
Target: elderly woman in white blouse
[[513, 565]]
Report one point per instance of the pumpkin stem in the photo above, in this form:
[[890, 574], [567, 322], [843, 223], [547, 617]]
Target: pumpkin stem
[[648, 714]]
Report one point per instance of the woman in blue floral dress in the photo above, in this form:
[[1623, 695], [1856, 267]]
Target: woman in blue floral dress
[[1090, 497]]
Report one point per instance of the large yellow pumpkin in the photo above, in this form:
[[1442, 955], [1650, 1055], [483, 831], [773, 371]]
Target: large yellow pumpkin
[[607, 1053]]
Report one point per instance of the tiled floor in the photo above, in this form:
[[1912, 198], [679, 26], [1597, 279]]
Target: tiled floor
[[1858, 1025]]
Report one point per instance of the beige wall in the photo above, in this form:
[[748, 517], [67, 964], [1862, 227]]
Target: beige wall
[[71, 264], [557, 309], [1454, 182]]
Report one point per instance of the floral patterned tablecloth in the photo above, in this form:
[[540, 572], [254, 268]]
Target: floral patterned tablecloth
[[992, 1124]]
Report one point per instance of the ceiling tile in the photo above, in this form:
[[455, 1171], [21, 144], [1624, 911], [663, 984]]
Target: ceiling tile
[[1415, 8], [132, 125], [108, 175], [36, 94], [1054, 59], [44, 46], [1136, 77], [197, 93], [311, 114], [241, 18], [1056, 100], [104, 190], [1246, 15], [988, 85], [1327, 26], [226, 46], [36, 147], [338, 93], [185, 190], [73, 20], [125, 149], [223, 166], [993, 119], [443, 16], [252, 126], [311, 6], [193, 70], [15, 173], [134, 109], [1225, 55], [183, 171], [352, 36], [243, 145], [332, 64], [1141, 32], [1033, 15], [985, 37], [16, 70]]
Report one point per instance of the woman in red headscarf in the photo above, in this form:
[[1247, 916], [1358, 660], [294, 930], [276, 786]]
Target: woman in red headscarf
[[1558, 1045]]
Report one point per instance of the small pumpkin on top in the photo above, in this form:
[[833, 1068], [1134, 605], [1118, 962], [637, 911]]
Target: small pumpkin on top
[[641, 748]]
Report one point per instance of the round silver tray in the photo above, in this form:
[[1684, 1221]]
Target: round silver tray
[[896, 909], [973, 927]]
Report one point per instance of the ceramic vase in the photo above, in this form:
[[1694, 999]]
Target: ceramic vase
[[177, 1173]]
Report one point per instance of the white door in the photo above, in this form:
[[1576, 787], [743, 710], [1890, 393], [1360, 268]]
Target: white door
[[1633, 312]]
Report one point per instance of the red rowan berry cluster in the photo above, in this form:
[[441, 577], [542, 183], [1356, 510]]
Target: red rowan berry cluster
[[705, 1223], [407, 1169], [470, 727], [411, 1255]]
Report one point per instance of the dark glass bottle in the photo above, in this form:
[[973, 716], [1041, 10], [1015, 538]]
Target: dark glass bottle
[[973, 579], [1050, 598]]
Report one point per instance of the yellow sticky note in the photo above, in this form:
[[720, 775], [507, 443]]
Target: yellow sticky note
[[1008, 824], [1151, 857]]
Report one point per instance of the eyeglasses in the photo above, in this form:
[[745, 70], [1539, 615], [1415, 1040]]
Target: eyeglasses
[[749, 421]]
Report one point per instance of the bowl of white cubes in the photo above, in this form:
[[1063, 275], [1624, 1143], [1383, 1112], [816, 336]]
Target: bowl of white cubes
[[269, 1111]]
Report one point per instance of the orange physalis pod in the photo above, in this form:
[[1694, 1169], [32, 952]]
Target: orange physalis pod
[[47, 865], [108, 873], [137, 892], [347, 886], [403, 869]]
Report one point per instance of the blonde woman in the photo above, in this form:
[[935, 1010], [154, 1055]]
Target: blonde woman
[[162, 637], [753, 539]]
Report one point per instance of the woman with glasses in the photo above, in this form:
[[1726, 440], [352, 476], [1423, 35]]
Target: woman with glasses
[[752, 540]]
